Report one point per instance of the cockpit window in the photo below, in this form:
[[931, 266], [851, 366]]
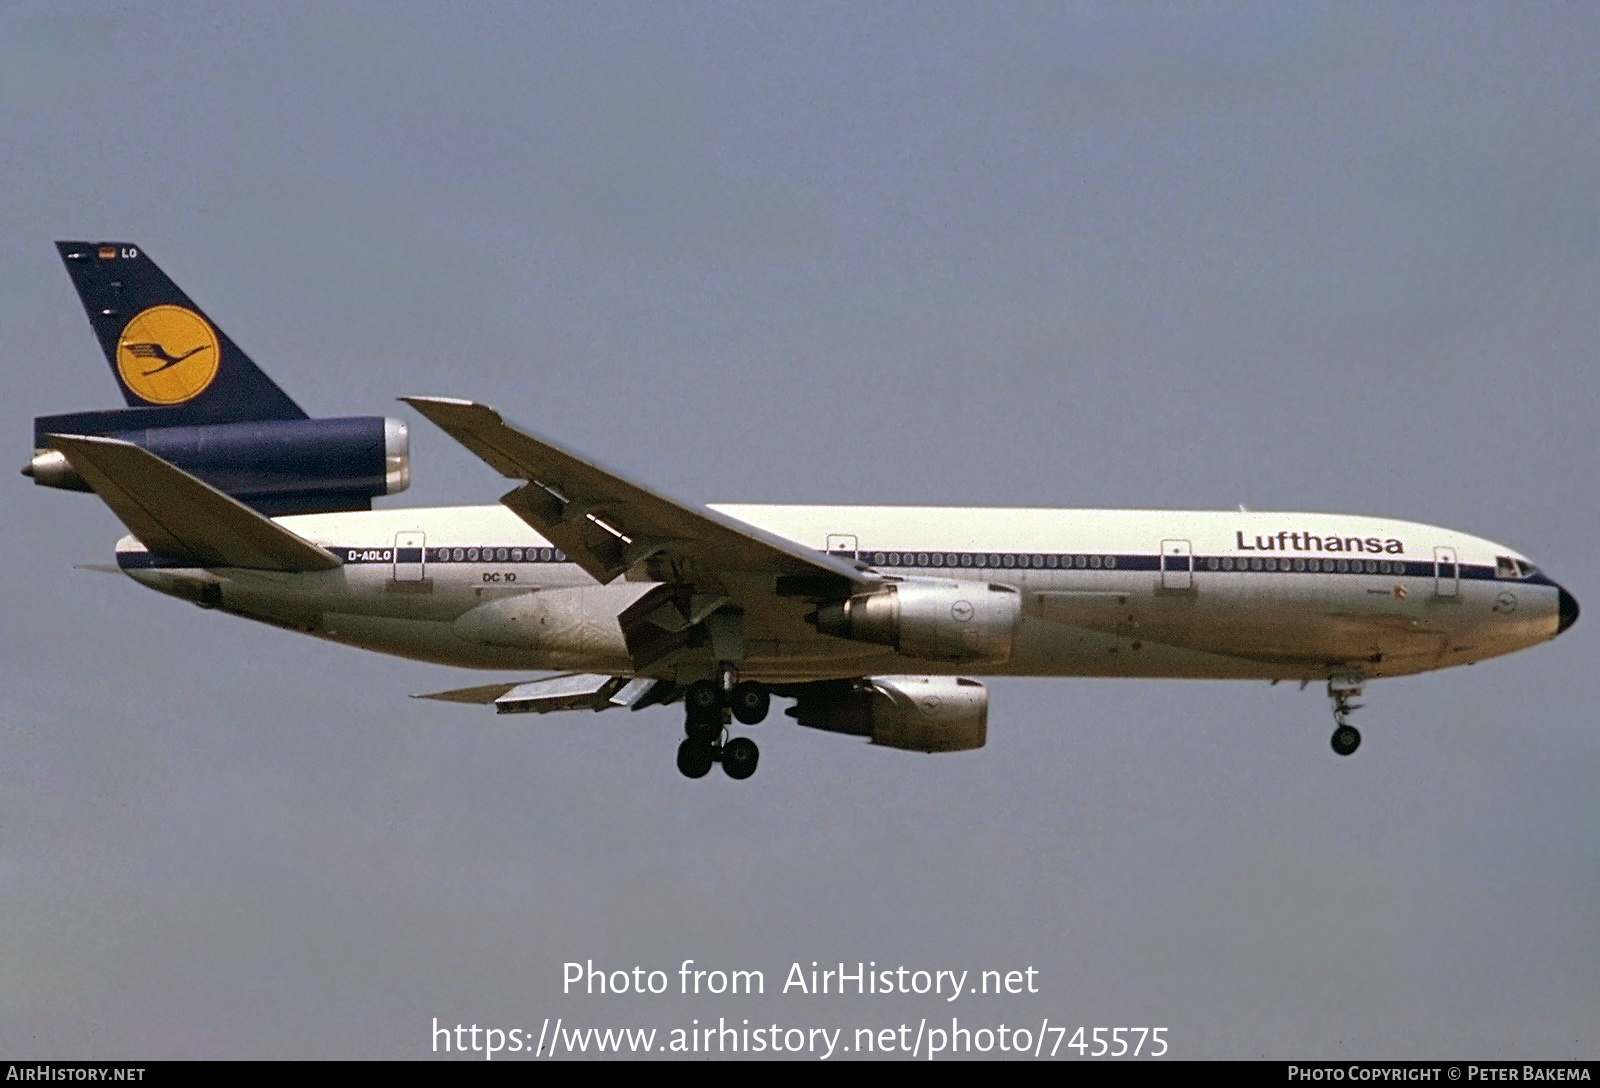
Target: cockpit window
[[1507, 567]]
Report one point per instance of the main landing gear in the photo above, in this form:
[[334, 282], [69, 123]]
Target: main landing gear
[[1342, 689], [707, 708]]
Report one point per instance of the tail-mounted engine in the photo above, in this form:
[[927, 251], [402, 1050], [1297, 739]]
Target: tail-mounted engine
[[971, 622], [912, 713], [278, 466]]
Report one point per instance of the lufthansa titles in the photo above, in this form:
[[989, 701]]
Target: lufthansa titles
[[1286, 541]]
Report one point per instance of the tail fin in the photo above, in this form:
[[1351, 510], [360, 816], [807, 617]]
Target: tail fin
[[197, 403], [164, 351]]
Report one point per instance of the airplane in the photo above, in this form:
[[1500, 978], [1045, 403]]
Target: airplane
[[873, 620]]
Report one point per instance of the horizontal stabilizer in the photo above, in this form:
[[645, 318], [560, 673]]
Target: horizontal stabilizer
[[571, 691], [181, 518]]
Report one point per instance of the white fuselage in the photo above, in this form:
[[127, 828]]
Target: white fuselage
[[1105, 592]]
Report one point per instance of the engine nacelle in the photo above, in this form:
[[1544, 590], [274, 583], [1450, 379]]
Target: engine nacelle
[[278, 466], [912, 713], [974, 622]]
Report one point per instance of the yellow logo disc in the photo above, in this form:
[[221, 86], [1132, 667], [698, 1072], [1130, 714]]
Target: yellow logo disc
[[168, 355]]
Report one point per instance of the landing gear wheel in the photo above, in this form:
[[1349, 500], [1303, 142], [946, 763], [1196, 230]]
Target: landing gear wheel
[[695, 758], [750, 702], [739, 758], [1344, 689], [702, 732], [703, 702]]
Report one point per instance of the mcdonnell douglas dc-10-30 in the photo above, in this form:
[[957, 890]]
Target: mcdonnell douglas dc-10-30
[[871, 619]]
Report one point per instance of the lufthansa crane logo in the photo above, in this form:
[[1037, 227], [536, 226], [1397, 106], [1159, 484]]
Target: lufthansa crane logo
[[168, 355]]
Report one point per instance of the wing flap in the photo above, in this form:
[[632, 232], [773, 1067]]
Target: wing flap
[[570, 691], [181, 518]]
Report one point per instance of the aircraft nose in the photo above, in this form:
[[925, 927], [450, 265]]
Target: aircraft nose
[[1568, 610]]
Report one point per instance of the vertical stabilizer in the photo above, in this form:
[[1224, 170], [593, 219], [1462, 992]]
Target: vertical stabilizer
[[164, 351]]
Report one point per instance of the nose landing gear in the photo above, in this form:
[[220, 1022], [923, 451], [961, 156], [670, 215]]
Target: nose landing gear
[[1342, 689]]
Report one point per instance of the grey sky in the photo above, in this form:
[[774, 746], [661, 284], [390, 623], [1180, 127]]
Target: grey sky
[[1311, 257]]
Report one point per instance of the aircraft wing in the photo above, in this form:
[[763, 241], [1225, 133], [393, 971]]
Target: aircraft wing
[[182, 518], [606, 524]]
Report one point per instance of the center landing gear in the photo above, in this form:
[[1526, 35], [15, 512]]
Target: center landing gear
[[1342, 689], [708, 705]]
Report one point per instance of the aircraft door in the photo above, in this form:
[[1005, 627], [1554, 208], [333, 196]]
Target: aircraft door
[[842, 544], [409, 557], [1177, 565], [1446, 572]]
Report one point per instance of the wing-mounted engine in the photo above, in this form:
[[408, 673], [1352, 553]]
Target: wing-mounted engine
[[970, 622], [912, 713]]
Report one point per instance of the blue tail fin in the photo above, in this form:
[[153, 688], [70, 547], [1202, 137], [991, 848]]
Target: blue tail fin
[[164, 351]]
